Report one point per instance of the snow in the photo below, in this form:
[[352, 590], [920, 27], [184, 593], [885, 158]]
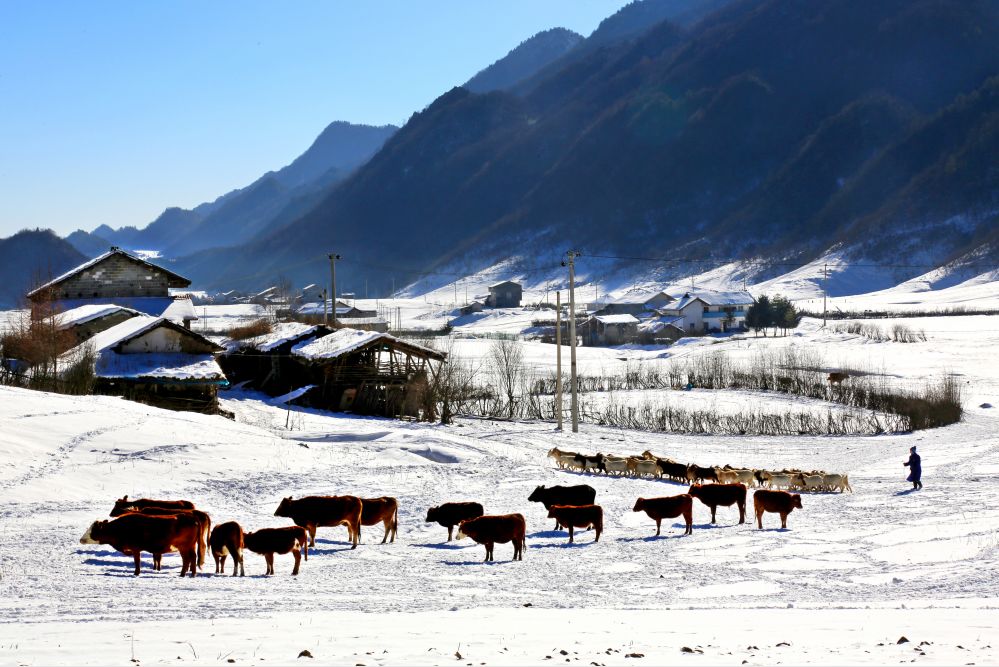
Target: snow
[[344, 341], [616, 319], [281, 333], [162, 366], [84, 314], [176, 309]]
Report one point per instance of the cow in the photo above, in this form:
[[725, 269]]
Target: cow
[[837, 378], [727, 495], [779, 502], [134, 533], [668, 507], [227, 540], [697, 474], [384, 510], [270, 541], [502, 528], [609, 464], [123, 505], [450, 515], [579, 516], [672, 469], [841, 482], [311, 512], [581, 494], [202, 517]]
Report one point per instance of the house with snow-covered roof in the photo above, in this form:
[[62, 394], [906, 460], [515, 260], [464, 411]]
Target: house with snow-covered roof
[[705, 311], [122, 279], [636, 303], [610, 329], [152, 360], [265, 362], [506, 294]]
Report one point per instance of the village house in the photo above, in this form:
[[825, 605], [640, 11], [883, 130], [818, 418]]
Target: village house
[[84, 322], [265, 363], [121, 279], [610, 330], [636, 303], [506, 294], [707, 311], [152, 360], [366, 372]]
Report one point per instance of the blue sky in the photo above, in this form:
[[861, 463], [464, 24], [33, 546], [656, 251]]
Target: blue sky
[[112, 111]]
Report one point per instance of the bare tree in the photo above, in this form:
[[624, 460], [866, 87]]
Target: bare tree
[[507, 357], [450, 386]]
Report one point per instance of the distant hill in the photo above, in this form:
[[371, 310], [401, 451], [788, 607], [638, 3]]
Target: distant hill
[[764, 129], [87, 243], [238, 216], [524, 61], [30, 258]]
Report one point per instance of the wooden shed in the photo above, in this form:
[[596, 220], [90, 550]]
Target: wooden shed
[[366, 372], [265, 362]]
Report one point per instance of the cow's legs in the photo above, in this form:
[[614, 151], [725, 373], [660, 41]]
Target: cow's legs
[[298, 559], [450, 529], [659, 526], [759, 517], [571, 530], [388, 527], [783, 519], [598, 531], [742, 512], [714, 509], [242, 570], [489, 551], [688, 517], [136, 555], [269, 557], [312, 534], [357, 534]]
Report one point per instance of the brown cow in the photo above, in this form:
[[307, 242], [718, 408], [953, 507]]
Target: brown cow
[[668, 507], [450, 515], [714, 495], [837, 377], [202, 517], [311, 512], [134, 533], [579, 516], [123, 505], [227, 539], [384, 510], [779, 502], [270, 541], [502, 528]]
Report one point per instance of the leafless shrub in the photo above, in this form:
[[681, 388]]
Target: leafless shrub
[[252, 330]]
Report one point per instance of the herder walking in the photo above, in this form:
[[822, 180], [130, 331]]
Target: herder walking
[[915, 469]]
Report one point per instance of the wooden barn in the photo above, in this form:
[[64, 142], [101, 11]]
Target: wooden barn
[[265, 362], [366, 372], [154, 361]]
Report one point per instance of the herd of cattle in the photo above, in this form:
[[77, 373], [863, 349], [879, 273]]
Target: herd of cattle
[[649, 465], [161, 526]]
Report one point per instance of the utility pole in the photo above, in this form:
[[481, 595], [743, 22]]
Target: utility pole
[[825, 278], [326, 314], [456, 293], [572, 255], [333, 257], [558, 358]]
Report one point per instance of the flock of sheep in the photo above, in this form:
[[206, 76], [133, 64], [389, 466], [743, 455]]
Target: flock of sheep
[[649, 465]]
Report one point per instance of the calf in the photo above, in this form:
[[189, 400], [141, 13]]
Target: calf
[[123, 505], [502, 528], [384, 510], [727, 495], [779, 502], [585, 516], [450, 515], [668, 507], [581, 494], [311, 512], [270, 541], [134, 533], [227, 540]]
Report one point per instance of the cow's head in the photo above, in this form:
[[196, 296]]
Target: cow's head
[[538, 495], [121, 506], [91, 536], [639, 505], [796, 500], [695, 490], [461, 529], [284, 509], [432, 514]]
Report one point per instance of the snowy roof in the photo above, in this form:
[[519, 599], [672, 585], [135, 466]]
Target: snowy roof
[[713, 299], [177, 280], [360, 320], [177, 309], [280, 334], [641, 298], [90, 312], [505, 282], [660, 323], [616, 319], [159, 366], [344, 341]]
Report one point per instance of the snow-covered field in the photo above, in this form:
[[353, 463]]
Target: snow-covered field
[[852, 574]]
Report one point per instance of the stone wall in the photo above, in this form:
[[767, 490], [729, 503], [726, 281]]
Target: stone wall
[[115, 276]]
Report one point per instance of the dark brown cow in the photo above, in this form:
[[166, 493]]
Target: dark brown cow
[[779, 502], [202, 517], [579, 516], [311, 512], [837, 377], [668, 507], [270, 541], [134, 533], [123, 505], [696, 473], [714, 495], [450, 515], [227, 539], [672, 469], [580, 494], [384, 510], [502, 528]]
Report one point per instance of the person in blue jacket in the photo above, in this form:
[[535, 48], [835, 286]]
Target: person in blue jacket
[[915, 469]]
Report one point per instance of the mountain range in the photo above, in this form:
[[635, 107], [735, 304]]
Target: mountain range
[[772, 131]]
